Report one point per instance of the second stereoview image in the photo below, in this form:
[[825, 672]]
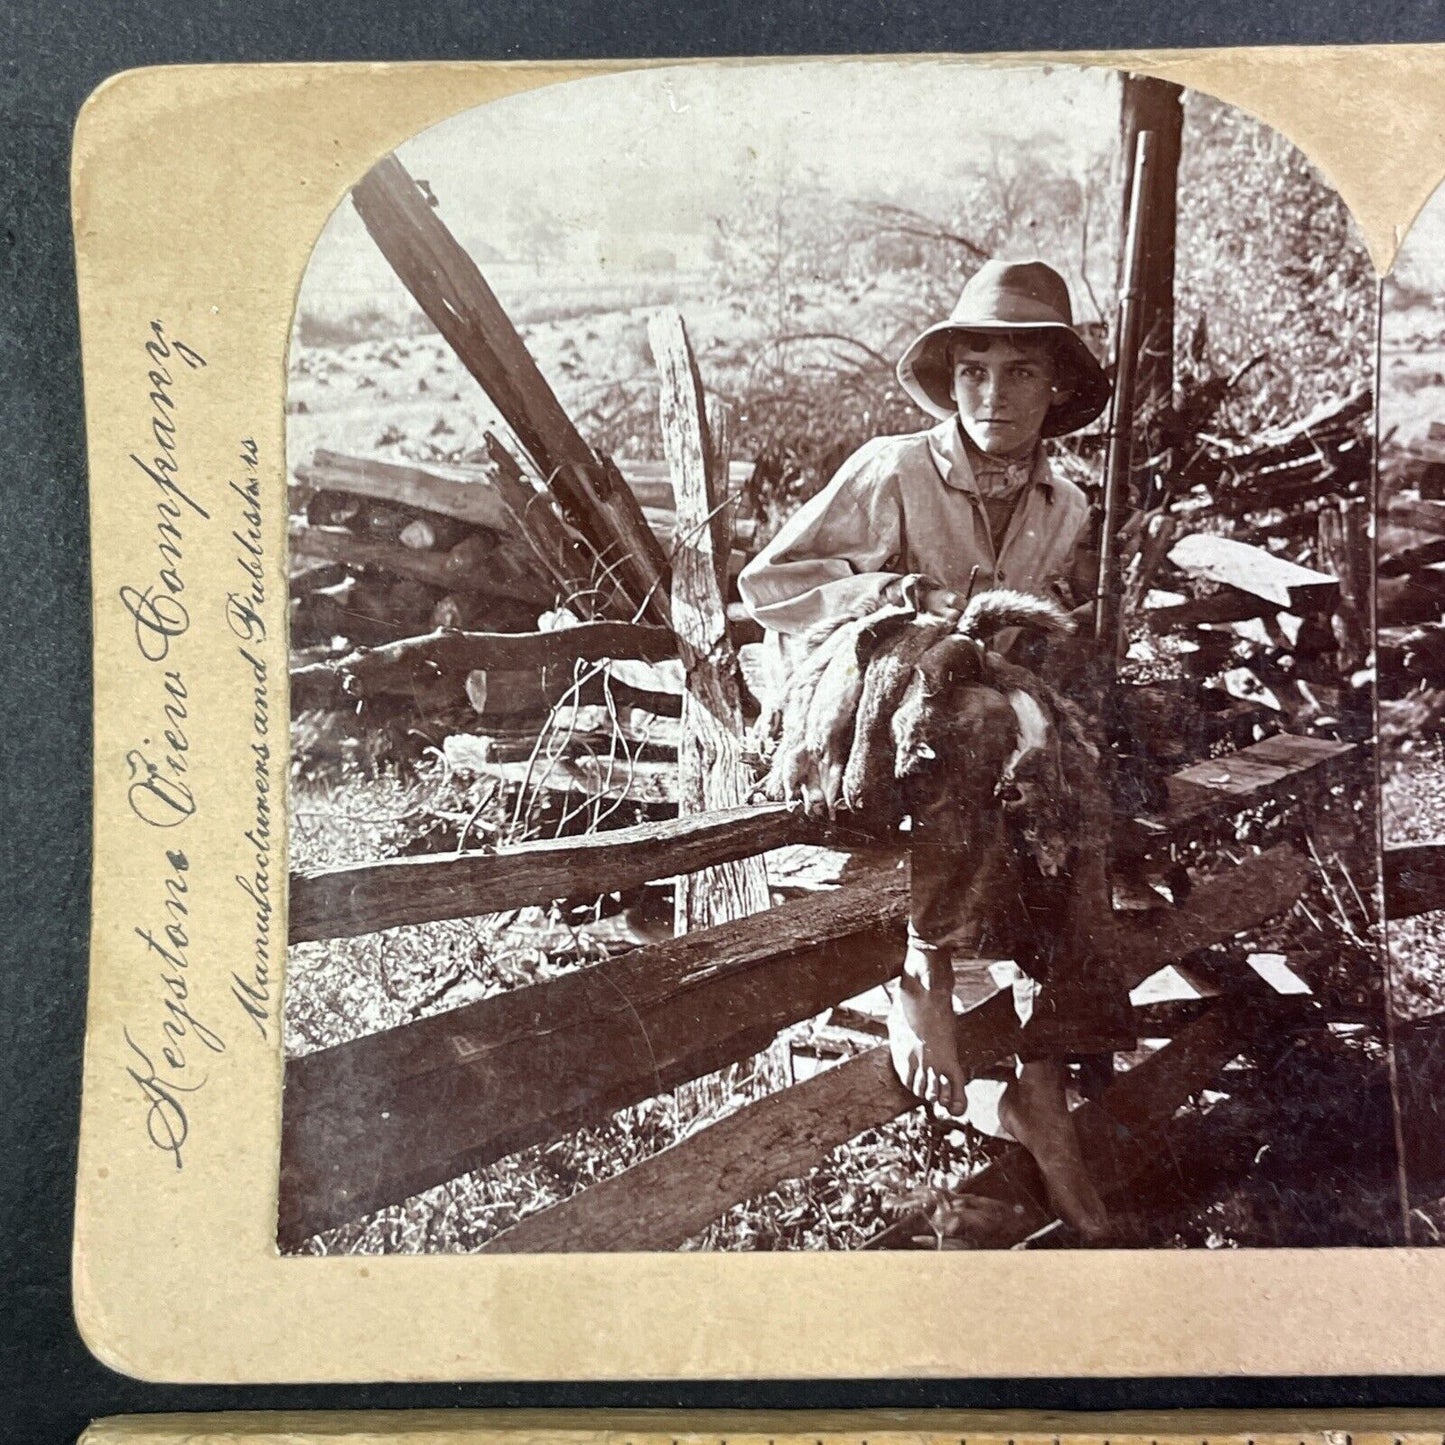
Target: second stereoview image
[[832, 701]]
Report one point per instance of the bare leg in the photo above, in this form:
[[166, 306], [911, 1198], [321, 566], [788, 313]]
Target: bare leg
[[1036, 1113], [921, 1037]]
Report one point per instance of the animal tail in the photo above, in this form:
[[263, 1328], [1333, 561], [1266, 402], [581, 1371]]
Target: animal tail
[[990, 612]]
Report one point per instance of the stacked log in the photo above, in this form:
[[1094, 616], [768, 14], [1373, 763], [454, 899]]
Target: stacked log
[[1265, 586], [385, 554], [1256, 627], [380, 552], [1273, 484], [1410, 639]]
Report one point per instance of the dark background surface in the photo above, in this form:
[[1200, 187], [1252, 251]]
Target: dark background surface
[[50, 58]]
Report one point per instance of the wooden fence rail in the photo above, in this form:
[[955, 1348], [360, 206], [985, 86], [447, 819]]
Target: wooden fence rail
[[371, 1122], [1414, 880], [674, 1195], [1255, 572], [345, 902], [397, 667], [367, 897], [678, 1192]]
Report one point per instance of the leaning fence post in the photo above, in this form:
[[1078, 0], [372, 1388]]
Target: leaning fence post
[[711, 773]]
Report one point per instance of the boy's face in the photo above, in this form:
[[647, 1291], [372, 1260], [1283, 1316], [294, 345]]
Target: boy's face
[[1004, 388]]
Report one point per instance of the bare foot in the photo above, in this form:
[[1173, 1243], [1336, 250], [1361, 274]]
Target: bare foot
[[921, 1037], [1036, 1113]]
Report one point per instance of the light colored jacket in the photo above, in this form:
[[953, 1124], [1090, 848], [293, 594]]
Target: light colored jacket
[[903, 505]]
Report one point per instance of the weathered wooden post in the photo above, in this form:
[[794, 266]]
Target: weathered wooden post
[[723, 504], [711, 773], [1127, 339], [1345, 551]]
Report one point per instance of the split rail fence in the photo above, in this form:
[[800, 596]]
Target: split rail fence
[[372, 1122]]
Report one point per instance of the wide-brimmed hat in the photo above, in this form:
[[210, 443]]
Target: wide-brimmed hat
[[1009, 296]]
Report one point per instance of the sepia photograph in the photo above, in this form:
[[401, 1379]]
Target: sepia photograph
[[1410, 643], [833, 684]]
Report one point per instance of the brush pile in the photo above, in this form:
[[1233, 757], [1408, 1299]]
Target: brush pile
[[1411, 590]]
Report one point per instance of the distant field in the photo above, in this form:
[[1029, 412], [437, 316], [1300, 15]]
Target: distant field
[[1412, 371], [370, 376]]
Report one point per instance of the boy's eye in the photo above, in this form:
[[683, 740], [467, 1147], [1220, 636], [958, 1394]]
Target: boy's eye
[[1018, 371]]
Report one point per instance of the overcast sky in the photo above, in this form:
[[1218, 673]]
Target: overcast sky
[[667, 149], [1422, 257]]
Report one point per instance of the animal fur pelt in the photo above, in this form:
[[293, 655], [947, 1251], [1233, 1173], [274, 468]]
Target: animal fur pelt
[[1051, 780], [877, 693], [997, 771], [989, 613], [868, 778], [806, 732]]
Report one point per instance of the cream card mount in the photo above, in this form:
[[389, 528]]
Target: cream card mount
[[606, 1427], [285, 426]]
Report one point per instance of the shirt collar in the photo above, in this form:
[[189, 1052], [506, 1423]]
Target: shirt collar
[[950, 458]]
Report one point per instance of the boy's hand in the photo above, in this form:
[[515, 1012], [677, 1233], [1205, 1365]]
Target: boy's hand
[[940, 601]]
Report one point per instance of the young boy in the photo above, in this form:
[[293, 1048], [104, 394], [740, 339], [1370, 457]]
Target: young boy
[[967, 505]]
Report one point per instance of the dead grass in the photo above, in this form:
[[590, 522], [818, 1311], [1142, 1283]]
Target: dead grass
[[1413, 797]]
